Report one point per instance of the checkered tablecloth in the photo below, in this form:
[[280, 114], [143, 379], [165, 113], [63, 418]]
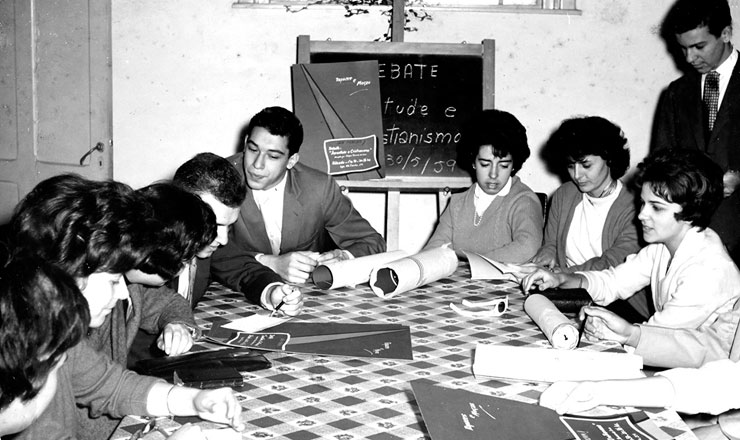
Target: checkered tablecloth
[[304, 397]]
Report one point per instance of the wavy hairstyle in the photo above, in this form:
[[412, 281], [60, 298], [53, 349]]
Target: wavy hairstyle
[[81, 225], [499, 129], [579, 137], [180, 226], [686, 177], [42, 315]]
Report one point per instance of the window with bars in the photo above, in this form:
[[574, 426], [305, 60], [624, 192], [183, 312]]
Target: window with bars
[[562, 6]]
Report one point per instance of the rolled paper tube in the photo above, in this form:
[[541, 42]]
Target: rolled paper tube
[[388, 280], [559, 330], [351, 272]]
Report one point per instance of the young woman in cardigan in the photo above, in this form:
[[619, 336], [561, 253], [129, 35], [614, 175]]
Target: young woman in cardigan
[[694, 282], [591, 223], [499, 216]]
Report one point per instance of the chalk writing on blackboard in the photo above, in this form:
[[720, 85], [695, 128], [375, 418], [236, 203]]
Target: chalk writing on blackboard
[[426, 100], [351, 155]]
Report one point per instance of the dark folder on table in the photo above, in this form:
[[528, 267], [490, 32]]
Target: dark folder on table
[[389, 341]]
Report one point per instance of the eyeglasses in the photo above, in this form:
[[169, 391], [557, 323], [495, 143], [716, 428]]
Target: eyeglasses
[[482, 309]]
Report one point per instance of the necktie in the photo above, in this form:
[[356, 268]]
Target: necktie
[[711, 98]]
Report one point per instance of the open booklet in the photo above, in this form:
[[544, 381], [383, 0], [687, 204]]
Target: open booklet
[[484, 268]]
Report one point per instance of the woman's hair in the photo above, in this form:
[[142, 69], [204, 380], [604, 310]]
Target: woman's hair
[[686, 177], [579, 137], [499, 129], [42, 315], [180, 226], [82, 226]]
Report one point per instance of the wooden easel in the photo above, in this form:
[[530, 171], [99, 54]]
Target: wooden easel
[[394, 186]]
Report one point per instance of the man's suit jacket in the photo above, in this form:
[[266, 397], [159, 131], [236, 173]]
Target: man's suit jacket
[[316, 217], [679, 123], [679, 120]]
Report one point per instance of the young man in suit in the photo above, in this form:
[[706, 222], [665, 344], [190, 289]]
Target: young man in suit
[[701, 110], [220, 186], [294, 217]]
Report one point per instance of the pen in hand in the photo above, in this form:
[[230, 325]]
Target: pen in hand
[[276, 312]]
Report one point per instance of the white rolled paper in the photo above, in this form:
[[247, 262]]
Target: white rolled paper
[[388, 280], [351, 272], [559, 330]]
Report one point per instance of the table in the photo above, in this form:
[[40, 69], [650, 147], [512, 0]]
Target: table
[[304, 397]]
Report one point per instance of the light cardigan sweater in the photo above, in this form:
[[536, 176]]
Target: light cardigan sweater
[[714, 388], [618, 238], [691, 290], [510, 229]]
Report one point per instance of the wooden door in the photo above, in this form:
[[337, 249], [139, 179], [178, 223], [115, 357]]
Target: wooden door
[[55, 93]]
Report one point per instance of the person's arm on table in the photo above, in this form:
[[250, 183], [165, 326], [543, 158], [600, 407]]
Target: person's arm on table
[[239, 271], [542, 279], [219, 405], [601, 323], [166, 312], [575, 397], [293, 267]]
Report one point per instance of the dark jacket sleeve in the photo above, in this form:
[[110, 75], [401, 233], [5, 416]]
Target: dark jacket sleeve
[[347, 228], [238, 270]]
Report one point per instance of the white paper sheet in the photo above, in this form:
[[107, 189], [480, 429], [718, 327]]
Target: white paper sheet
[[255, 323], [552, 365]]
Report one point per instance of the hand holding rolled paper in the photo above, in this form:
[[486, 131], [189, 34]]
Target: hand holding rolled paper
[[559, 330]]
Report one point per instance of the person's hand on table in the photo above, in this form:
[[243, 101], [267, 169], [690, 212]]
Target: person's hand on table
[[570, 397], [604, 324], [290, 296], [220, 406], [333, 257], [175, 339], [293, 267], [540, 279], [188, 431], [545, 260]]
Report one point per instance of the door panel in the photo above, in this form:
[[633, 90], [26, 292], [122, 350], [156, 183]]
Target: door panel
[[55, 93]]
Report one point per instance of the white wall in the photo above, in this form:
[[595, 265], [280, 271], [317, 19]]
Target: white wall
[[187, 76]]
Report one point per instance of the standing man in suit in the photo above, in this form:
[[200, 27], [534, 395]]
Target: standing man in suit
[[294, 217], [220, 186], [701, 110]]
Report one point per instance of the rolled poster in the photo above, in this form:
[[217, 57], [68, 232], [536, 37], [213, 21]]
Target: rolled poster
[[559, 330], [388, 280], [351, 272]]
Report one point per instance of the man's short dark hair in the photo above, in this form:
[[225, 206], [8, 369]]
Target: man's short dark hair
[[279, 122], [687, 15], [579, 137], [42, 315], [686, 177], [499, 129], [81, 225], [208, 173], [180, 226]]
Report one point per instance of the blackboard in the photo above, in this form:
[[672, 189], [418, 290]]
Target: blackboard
[[428, 92]]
